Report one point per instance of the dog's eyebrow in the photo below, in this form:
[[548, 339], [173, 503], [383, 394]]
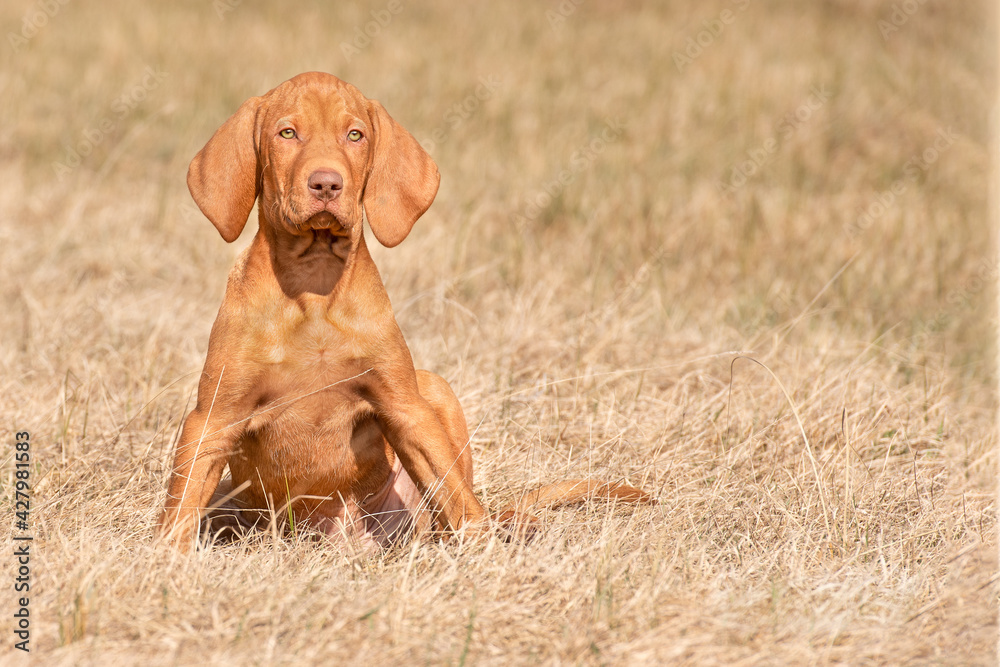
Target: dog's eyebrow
[[342, 119]]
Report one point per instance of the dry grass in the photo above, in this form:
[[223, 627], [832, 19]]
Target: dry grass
[[596, 337]]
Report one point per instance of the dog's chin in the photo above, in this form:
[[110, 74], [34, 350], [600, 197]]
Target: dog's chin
[[324, 220]]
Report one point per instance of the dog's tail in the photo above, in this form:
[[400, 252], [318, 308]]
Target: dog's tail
[[577, 491]]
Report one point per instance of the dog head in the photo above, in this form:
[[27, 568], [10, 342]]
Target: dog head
[[316, 151]]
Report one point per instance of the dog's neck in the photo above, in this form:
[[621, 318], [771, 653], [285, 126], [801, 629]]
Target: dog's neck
[[311, 263]]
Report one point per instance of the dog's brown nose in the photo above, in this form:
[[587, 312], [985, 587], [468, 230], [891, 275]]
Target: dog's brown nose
[[325, 184]]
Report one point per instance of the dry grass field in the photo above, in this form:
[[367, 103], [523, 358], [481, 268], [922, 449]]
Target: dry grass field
[[741, 253]]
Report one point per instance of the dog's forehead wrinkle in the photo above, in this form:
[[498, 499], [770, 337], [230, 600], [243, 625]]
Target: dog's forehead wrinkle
[[324, 110]]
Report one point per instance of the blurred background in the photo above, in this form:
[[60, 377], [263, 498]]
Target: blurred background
[[754, 152], [630, 190]]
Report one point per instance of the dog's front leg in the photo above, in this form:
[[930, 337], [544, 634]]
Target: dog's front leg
[[418, 438], [206, 442]]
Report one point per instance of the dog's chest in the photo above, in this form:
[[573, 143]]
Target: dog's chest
[[311, 422], [302, 339], [309, 383]]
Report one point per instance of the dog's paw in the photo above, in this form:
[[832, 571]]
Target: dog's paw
[[515, 526]]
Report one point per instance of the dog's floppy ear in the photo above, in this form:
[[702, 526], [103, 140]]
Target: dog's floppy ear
[[402, 182], [223, 177]]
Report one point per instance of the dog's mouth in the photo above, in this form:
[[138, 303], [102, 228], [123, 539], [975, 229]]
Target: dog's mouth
[[322, 221]]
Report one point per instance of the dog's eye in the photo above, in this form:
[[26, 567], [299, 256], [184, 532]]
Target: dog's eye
[[288, 133], [354, 135]]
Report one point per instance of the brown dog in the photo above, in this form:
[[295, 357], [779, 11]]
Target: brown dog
[[309, 392]]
